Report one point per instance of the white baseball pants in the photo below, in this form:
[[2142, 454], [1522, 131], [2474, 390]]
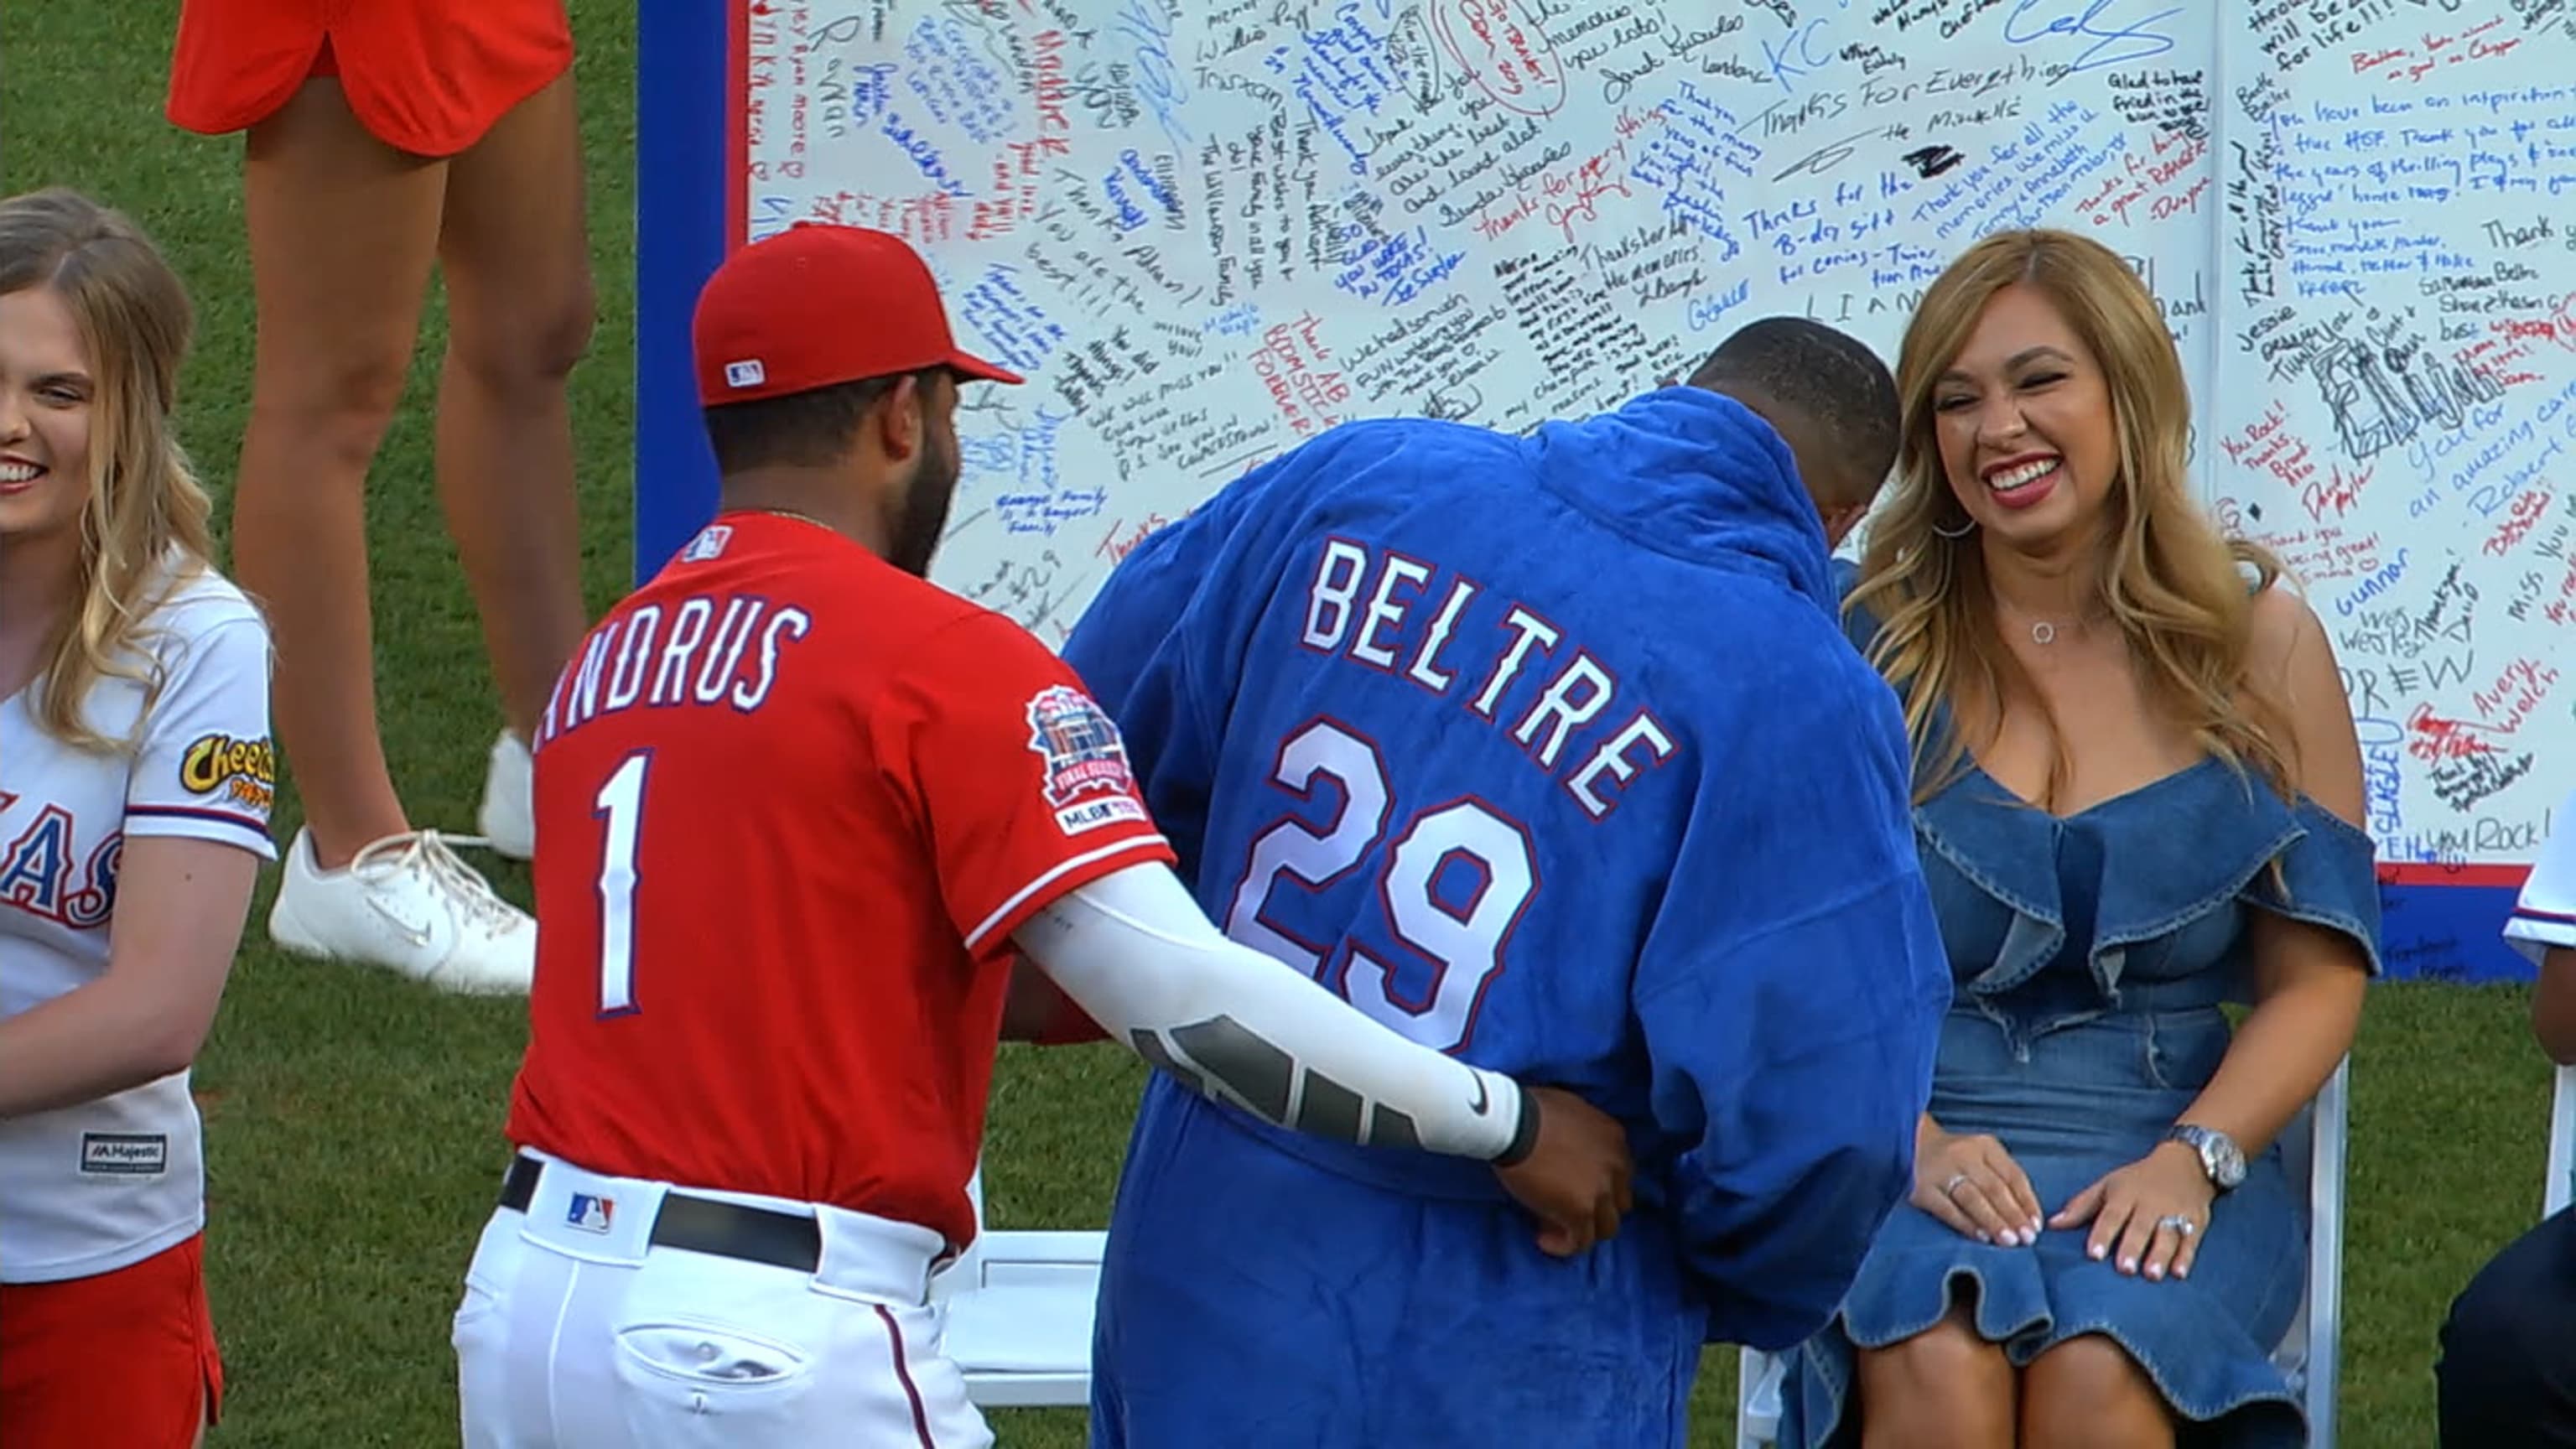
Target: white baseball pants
[[576, 1331]]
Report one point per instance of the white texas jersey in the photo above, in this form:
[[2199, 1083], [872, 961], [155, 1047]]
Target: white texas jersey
[[2545, 914], [94, 1187]]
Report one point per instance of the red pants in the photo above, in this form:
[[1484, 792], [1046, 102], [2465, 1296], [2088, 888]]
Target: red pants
[[124, 1358], [424, 76]]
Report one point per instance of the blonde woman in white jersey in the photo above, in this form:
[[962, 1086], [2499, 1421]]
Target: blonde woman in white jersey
[[135, 784]]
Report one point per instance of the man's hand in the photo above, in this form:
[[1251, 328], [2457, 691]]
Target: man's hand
[[1575, 1178]]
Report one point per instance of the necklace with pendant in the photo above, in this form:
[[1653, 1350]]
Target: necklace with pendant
[[2044, 631]]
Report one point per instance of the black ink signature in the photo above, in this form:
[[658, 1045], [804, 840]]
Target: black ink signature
[[843, 31], [1833, 153]]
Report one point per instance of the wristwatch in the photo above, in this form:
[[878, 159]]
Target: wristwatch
[[2219, 1155]]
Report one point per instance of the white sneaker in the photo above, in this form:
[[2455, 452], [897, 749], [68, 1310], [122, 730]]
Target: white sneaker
[[509, 816], [406, 902]]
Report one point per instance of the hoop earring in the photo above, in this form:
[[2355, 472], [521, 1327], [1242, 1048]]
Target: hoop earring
[[1966, 526]]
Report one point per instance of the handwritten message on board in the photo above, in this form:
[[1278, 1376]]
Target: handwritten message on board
[[1208, 232]]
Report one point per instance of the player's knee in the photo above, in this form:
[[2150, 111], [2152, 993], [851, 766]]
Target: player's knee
[[2089, 1391], [532, 342], [1945, 1385]]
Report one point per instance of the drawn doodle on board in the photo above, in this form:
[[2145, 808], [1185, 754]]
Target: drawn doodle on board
[[1463, 405], [1931, 161]]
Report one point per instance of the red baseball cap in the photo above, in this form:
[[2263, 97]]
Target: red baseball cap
[[816, 305]]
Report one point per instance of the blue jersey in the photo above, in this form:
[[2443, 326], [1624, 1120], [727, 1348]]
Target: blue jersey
[[1546, 752]]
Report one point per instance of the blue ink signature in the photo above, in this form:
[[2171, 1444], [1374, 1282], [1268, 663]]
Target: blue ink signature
[[1158, 82], [2140, 42], [1784, 62]]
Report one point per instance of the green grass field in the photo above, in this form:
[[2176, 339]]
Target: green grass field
[[354, 1118]]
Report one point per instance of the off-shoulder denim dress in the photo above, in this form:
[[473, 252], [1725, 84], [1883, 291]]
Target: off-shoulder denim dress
[[2092, 954]]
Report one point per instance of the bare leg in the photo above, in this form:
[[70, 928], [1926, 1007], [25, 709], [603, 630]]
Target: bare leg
[[2087, 1393], [516, 254], [1945, 1387], [342, 232]]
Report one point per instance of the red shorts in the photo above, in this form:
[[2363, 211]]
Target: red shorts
[[126, 1357], [424, 76]]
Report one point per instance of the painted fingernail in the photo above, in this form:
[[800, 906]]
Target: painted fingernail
[[2154, 1271], [1983, 1236], [2096, 1250], [2128, 1265]]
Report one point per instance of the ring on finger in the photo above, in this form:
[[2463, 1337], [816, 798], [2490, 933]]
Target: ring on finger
[[1951, 1188], [2178, 1223]]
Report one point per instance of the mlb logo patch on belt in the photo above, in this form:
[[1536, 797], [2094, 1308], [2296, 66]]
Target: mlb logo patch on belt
[[590, 1214]]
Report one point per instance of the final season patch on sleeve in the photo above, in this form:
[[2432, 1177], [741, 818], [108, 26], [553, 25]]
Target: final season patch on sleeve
[[1087, 781], [245, 771]]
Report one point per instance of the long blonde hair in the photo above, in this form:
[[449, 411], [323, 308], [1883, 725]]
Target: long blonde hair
[[144, 502], [2175, 588]]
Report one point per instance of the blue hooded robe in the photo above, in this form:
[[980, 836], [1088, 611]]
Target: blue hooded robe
[[1548, 752]]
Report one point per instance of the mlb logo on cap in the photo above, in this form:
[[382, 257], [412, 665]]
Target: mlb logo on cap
[[815, 306]]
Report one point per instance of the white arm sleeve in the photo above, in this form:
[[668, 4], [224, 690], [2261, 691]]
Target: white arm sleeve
[[1134, 950]]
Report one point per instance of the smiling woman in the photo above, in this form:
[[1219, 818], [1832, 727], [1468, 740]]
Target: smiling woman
[[134, 796], [2138, 794]]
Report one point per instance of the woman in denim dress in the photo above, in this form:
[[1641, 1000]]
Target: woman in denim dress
[[2136, 777]]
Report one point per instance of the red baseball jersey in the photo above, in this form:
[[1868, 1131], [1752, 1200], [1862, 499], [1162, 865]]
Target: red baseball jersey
[[791, 803]]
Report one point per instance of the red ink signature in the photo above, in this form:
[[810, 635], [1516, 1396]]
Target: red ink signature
[[1504, 51]]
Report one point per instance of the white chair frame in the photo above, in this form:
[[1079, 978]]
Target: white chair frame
[[1015, 1313], [2560, 1187]]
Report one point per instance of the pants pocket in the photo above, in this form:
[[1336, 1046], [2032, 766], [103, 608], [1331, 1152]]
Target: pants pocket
[[696, 1381]]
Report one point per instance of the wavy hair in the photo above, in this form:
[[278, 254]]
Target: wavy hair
[[2177, 590], [144, 503]]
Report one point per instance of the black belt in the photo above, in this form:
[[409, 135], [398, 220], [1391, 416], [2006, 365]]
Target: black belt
[[703, 1224]]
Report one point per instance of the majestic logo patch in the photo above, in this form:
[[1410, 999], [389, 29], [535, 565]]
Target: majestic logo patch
[[590, 1214], [1087, 779], [245, 770], [125, 1154]]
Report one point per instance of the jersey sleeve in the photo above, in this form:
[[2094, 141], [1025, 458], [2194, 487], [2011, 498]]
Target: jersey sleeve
[[1790, 998], [206, 767], [1132, 652], [1020, 779], [2544, 915]]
